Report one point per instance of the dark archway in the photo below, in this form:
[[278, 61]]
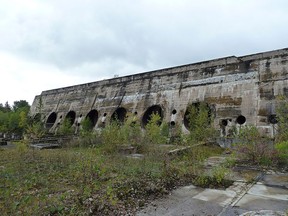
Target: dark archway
[[71, 116], [272, 119], [224, 122], [51, 120], [119, 115], [193, 111], [241, 119], [93, 117], [156, 109]]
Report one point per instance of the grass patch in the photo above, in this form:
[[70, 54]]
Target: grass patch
[[80, 181]]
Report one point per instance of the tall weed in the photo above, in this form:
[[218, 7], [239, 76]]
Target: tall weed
[[254, 147]]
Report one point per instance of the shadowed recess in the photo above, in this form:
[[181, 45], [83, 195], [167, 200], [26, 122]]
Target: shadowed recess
[[156, 109], [93, 117], [119, 115], [51, 120], [195, 107], [71, 115]]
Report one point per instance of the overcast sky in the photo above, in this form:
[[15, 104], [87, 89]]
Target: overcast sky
[[46, 44]]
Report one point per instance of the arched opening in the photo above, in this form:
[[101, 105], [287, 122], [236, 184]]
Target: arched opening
[[93, 117], [156, 109], [174, 111], [119, 115], [194, 111], [272, 119], [51, 120], [70, 117], [224, 122], [241, 119]]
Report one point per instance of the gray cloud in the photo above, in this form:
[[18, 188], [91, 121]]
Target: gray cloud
[[101, 38]]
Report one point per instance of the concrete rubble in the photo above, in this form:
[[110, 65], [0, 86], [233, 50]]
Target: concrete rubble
[[41, 146]]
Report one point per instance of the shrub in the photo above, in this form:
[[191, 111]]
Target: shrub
[[86, 126], [217, 178], [110, 137], [282, 149], [35, 130], [155, 133], [219, 173], [255, 148], [65, 128], [200, 119]]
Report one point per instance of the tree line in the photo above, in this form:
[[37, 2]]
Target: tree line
[[14, 118]]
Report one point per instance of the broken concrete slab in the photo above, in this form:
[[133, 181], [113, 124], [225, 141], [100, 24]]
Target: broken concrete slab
[[126, 149], [187, 191], [221, 197], [3, 142], [276, 179], [136, 156], [41, 146], [270, 192], [186, 206], [215, 161], [8, 146], [255, 202]]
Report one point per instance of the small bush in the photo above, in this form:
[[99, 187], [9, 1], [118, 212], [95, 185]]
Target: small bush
[[35, 130], [255, 148], [217, 178], [111, 137], [219, 173], [65, 128], [156, 134], [282, 149], [230, 161], [200, 123], [22, 147], [86, 126]]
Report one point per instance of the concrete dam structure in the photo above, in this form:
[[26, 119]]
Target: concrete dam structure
[[238, 90]]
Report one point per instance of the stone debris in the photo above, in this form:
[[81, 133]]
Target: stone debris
[[41, 146], [3, 142]]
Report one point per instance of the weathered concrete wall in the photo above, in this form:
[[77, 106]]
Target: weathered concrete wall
[[233, 86]]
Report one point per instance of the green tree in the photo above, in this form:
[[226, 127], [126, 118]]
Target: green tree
[[7, 107], [35, 130], [4, 121], [86, 126], [14, 120], [200, 118], [66, 127], [154, 131], [22, 104]]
